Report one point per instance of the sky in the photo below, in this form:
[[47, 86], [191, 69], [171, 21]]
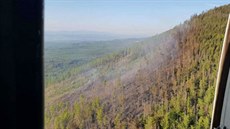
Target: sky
[[127, 17]]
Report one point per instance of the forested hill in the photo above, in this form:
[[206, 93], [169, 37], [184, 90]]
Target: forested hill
[[166, 81], [186, 85]]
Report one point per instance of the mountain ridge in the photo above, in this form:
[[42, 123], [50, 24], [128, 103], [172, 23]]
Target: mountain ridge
[[86, 36]]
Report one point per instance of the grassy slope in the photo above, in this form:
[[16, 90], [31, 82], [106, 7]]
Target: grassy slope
[[176, 92]]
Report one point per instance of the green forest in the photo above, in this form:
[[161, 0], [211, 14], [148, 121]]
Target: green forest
[[166, 81]]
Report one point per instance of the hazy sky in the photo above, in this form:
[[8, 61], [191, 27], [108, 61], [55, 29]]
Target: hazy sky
[[131, 17]]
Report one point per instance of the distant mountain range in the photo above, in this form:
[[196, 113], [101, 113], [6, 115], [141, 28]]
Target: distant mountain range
[[84, 36]]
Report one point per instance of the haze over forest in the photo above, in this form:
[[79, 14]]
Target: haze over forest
[[151, 75]]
